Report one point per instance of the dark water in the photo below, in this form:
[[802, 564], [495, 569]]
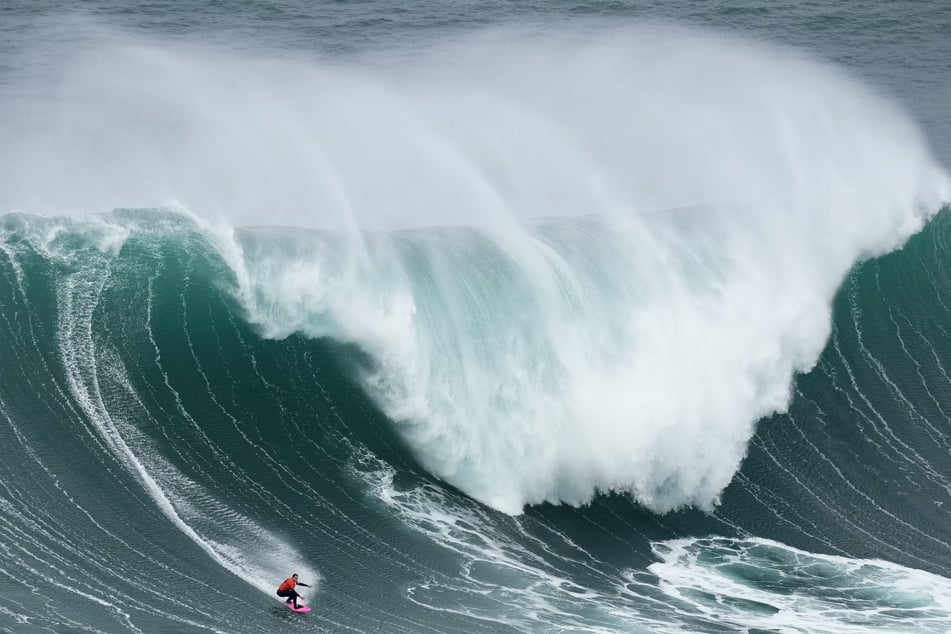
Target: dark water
[[532, 317]]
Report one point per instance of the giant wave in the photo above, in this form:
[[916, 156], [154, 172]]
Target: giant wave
[[632, 349], [578, 278]]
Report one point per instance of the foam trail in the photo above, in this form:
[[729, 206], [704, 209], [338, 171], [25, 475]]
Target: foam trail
[[606, 348], [233, 541]]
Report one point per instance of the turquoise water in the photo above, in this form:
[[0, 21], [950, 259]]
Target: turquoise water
[[536, 318]]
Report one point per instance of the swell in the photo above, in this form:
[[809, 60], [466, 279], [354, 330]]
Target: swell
[[705, 198], [168, 339], [269, 454]]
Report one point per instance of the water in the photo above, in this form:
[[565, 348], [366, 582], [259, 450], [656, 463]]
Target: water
[[487, 317]]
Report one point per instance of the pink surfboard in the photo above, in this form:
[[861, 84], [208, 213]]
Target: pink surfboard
[[300, 608]]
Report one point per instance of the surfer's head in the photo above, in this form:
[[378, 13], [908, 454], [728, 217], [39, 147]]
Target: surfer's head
[[294, 576]]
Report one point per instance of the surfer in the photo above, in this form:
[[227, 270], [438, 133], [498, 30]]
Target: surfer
[[286, 589]]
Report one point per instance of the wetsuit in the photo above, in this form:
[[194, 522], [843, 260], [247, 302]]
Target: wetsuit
[[286, 589]]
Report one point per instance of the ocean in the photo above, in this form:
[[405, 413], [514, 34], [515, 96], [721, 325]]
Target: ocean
[[481, 316]]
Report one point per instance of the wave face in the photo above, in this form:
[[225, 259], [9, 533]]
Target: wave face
[[155, 440], [617, 330]]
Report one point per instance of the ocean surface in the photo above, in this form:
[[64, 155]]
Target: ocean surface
[[481, 316]]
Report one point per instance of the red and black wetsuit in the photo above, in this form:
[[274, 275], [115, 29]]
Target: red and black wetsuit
[[286, 589]]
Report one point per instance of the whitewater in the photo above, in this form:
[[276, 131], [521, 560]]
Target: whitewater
[[506, 355], [459, 298]]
